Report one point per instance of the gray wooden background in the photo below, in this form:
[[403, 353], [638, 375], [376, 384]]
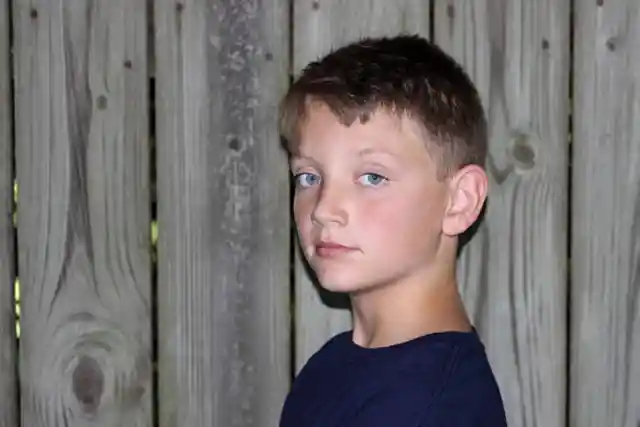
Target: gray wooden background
[[121, 120]]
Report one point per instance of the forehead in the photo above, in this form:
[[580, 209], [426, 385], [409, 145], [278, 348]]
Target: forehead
[[322, 131]]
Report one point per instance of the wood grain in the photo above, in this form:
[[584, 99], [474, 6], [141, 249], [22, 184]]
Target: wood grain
[[8, 345], [513, 273], [605, 357], [224, 232], [82, 167], [319, 27]]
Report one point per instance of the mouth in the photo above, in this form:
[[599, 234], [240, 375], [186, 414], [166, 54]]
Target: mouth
[[332, 249]]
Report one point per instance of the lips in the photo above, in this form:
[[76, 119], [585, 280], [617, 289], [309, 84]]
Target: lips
[[332, 249]]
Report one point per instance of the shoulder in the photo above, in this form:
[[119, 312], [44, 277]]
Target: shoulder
[[470, 396], [445, 382], [334, 346], [324, 358], [315, 383]]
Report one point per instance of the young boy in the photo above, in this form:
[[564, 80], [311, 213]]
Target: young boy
[[387, 140]]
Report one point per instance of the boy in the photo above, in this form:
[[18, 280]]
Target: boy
[[387, 139]]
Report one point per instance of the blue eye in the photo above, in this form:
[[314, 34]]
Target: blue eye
[[306, 179], [372, 179]]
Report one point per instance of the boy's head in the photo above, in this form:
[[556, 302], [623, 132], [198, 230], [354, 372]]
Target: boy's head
[[405, 75], [387, 138]]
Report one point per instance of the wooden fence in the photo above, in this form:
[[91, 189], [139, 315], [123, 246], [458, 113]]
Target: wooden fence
[[107, 127]]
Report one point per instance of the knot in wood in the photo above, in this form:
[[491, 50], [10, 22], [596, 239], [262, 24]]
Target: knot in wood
[[522, 152], [235, 144], [88, 384]]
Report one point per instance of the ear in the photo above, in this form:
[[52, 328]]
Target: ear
[[467, 193]]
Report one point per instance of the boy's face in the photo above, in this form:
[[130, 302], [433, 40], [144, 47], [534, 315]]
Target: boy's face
[[368, 206]]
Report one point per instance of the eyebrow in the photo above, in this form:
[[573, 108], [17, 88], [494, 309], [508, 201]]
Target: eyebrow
[[362, 153], [371, 151], [298, 157], [295, 160]]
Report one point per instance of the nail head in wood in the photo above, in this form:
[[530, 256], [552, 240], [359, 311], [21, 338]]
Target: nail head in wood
[[611, 44], [451, 11], [101, 102]]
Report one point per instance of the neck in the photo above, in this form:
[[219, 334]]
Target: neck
[[415, 306]]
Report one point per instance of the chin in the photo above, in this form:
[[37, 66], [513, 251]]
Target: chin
[[342, 283], [337, 287]]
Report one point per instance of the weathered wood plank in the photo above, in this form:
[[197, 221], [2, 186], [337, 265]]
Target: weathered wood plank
[[82, 167], [513, 273], [224, 237], [319, 27], [605, 306], [8, 345]]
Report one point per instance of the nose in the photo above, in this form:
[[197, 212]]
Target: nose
[[330, 207]]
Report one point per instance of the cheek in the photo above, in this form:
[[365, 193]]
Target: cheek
[[383, 224], [302, 215], [402, 225], [383, 214]]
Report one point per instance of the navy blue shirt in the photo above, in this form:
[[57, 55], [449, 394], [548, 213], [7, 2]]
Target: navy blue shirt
[[437, 380]]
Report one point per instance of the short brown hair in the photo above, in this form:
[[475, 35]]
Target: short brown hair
[[405, 74]]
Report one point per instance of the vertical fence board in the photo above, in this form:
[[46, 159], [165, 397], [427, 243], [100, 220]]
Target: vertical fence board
[[83, 219], [605, 356], [513, 273], [223, 219], [318, 28], [8, 359]]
